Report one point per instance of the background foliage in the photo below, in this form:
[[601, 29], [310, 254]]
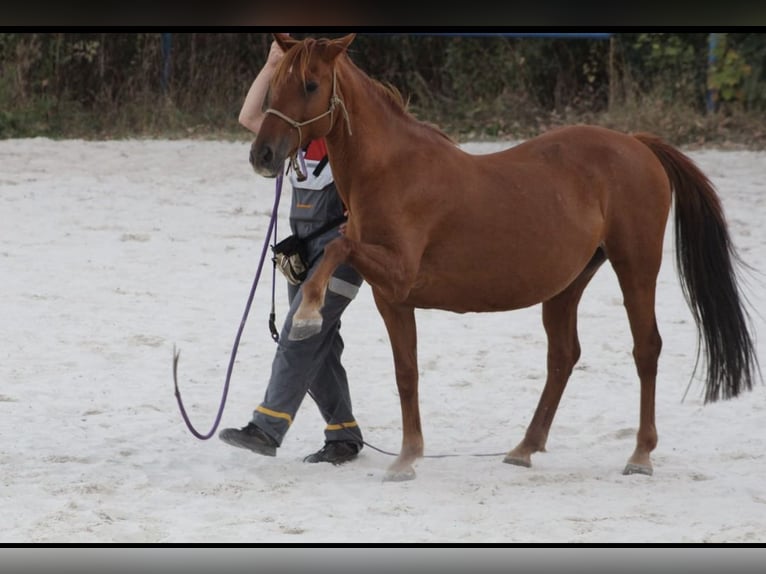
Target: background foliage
[[107, 85]]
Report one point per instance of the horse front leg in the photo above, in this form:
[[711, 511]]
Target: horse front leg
[[400, 324], [382, 267], [307, 320]]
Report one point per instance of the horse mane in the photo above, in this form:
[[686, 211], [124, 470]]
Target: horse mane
[[297, 59], [393, 96]]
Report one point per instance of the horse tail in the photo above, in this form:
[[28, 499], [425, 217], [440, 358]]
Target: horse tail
[[705, 258]]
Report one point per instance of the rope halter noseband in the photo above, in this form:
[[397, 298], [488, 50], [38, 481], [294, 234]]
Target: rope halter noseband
[[334, 101]]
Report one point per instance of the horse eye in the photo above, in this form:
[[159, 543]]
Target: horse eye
[[311, 87]]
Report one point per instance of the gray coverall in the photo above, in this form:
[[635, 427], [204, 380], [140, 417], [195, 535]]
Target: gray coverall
[[313, 365]]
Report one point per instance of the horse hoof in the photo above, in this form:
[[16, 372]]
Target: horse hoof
[[632, 468], [399, 475], [304, 328], [525, 462]]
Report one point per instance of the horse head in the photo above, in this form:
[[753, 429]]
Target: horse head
[[302, 101]]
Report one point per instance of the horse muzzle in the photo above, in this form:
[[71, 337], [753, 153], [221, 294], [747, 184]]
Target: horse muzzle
[[266, 160]]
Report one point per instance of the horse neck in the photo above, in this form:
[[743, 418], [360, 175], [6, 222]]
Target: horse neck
[[372, 121]]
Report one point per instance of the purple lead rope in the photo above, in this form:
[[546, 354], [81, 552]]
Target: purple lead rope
[[177, 354]]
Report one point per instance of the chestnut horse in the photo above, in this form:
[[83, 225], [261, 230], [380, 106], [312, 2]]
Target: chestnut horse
[[431, 226]]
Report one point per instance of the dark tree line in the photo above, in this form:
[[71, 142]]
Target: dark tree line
[[147, 82]]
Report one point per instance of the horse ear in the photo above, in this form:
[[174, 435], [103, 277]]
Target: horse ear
[[346, 40], [285, 41], [335, 47]]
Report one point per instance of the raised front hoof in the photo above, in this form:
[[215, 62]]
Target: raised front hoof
[[518, 461], [399, 475], [633, 468], [304, 328]]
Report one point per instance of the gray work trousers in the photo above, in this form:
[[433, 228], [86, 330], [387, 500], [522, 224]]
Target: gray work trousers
[[312, 365]]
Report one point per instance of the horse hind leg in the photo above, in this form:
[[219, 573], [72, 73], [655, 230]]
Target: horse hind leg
[[638, 284], [560, 322]]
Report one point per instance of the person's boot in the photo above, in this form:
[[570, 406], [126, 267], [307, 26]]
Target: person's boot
[[336, 452], [251, 438]]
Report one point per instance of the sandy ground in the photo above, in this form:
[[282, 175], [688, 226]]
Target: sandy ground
[[114, 252]]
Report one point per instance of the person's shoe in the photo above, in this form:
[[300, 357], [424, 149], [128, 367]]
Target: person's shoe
[[251, 438], [336, 452]]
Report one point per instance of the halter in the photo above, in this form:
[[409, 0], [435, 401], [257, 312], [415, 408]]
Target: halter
[[334, 101]]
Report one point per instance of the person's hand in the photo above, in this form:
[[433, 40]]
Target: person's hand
[[275, 54]]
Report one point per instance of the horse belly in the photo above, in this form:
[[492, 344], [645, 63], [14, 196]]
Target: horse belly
[[499, 283]]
